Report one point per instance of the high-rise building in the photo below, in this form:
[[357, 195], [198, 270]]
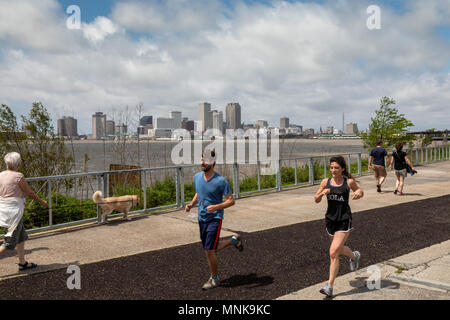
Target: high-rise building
[[145, 120], [110, 127], [98, 125], [233, 116], [176, 116], [284, 123], [330, 130], [67, 127], [164, 123], [218, 120], [351, 128], [204, 115]]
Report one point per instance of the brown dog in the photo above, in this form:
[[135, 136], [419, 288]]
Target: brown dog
[[121, 204]]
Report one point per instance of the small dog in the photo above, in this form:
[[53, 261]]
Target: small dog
[[121, 204]]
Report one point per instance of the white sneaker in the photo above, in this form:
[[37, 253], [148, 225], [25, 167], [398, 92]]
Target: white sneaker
[[327, 290], [211, 283]]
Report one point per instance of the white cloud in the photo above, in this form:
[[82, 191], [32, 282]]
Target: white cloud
[[34, 25], [167, 16], [308, 61], [96, 31]]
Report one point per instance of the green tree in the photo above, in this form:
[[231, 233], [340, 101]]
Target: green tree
[[42, 152], [428, 138], [388, 125]]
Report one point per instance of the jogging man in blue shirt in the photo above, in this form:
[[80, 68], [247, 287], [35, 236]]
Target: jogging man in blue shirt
[[210, 189], [377, 161]]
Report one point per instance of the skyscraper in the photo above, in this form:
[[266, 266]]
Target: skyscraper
[[204, 115], [98, 125], [352, 128], [233, 116], [284, 123], [218, 120], [110, 127], [67, 127], [176, 116]]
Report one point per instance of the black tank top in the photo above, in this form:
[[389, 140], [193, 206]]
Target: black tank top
[[338, 208]]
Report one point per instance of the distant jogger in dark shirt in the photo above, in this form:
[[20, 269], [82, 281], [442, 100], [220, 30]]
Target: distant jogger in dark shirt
[[400, 161], [377, 162]]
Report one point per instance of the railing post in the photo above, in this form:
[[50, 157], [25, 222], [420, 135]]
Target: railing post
[[144, 186], [421, 151], [105, 186], [99, 187], [417, 157], [295, 172], [182, 186], [324, 167], [349, 164], [236, 180], [359, 165], [177, 187], [258, 167], [311, 171], [50, 210], [278, 176], [426, 155]]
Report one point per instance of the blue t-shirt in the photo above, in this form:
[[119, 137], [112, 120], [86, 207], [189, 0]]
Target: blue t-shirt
[[378, 155], [210, 193]]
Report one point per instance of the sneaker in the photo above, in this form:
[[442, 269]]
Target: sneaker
[[378, 188], [400, 193], [395, 192], [327, 290], [237, 242], [211, 283], [354, 263]]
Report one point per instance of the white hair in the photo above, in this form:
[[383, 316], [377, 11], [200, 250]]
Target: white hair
[[12, 161]]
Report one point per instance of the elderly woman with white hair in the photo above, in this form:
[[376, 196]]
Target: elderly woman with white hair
[[13, 189]]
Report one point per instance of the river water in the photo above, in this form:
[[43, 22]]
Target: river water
[[148, 154]]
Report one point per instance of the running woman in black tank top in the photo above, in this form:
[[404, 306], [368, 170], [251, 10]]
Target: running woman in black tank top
[[338, 217]]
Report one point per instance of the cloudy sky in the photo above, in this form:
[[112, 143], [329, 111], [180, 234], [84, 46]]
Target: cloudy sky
[[308, 60]]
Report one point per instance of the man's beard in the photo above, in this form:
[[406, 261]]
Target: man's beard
[[207, 167]]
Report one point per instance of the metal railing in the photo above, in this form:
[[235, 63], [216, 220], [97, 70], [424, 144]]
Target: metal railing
[[316, 168]]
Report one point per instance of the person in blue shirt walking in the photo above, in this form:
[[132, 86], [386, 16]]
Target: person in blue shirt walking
[[210, 189], [377, 161]]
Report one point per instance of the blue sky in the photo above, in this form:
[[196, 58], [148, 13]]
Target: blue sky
[[308, 60]]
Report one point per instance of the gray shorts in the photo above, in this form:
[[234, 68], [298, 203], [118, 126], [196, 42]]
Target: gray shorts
[[400, 173], [19, 235]]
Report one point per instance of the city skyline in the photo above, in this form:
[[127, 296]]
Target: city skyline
[[102, 127], [311, 60]]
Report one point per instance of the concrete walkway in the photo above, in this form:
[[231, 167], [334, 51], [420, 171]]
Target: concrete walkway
[[423, 274], [420, 275]]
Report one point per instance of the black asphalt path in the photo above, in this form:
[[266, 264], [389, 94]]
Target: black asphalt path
[[275, 262]]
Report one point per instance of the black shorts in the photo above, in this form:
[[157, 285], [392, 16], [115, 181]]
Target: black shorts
[[338, 226]]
